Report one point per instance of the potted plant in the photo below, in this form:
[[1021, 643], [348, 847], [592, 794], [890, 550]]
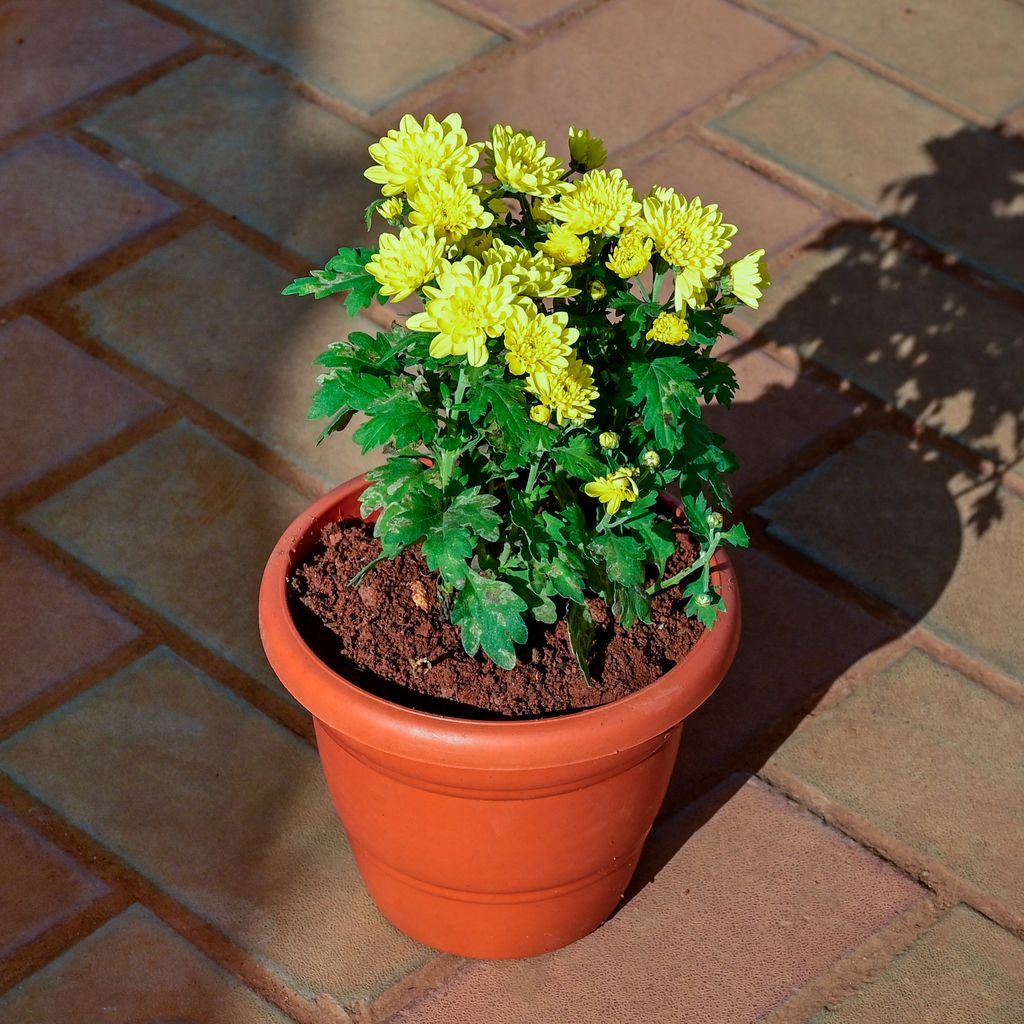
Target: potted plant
[[525, 569]]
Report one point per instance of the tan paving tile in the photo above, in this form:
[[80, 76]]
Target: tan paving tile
[[368, 54], [768, 216], [935, 760], [47, 384], [40, 886], [965, 968], [913, 335], [184, 525], [251, 146], [133, 970], [50, 628], [255, 365], [895, 154], [53, 53], [527, 14], [225, 810], [758, 901], [621, 71], [919, 532], [61, 205], [968, 51]]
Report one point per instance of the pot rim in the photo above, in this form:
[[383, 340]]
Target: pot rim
[[422, 736]]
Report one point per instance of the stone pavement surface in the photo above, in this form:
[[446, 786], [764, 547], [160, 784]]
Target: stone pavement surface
[[842, 842]]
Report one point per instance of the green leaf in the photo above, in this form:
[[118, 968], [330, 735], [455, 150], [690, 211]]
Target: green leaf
[[345, 272], [717, 381], [658, 538], [448, 552], [562, 578], [490, 614], [623, 559], [577, 458], [665, 389], [506, 402], [398, 419], [630, 604], [736, 535], [372, 209], [581, 636], [451, 534], [348, 391]]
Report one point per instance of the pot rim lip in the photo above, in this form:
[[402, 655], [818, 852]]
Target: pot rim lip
[[576, 737]]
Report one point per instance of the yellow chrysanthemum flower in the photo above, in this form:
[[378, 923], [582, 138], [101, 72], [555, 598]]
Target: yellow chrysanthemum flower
[[448, 205], [569, 394], [392, 209], [406, 261], [601, 201], [469, 304], [476, 243], [690, 237], [565, 248], [690, 290], [540, 414], [748, 278], [585, 150], [519, 161], [632, 253], [608, 439], [614, 489], [597, 290], [405, 154], [669, 329], [536, 342], [535, 274]]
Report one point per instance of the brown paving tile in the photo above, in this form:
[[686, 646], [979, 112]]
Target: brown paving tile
[[212, 127], [913, 335], [184, 525], [895, 154], [935, 760], [969, 52], [776, 413], [50, 628], [255, 363], [526, 14], [619, 71], [40, 886], [965, 968], [53, 52], [797, 640], [368, 54], [61, 205], [768, 216], [918, 531], [223, 809], [47, 384], [757, 901], [134, 970]]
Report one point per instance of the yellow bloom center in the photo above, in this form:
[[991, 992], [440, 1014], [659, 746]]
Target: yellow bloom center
[[447, 205], [538, 343], [565, 248], [570, 393], [632, 253], [406, 261], [601, 201], [669, 329]]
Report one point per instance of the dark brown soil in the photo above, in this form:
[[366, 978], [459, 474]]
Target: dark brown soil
[[389, 630]]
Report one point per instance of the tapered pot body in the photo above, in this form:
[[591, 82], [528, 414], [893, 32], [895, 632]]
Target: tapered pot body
[[491, 839]]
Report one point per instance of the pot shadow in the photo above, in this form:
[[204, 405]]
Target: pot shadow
[[858, 530]]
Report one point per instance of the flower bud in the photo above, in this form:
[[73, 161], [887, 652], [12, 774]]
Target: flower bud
[[652, 460], [714, 520], [704, 600], [608, 439], [540, 414], [597, 290]]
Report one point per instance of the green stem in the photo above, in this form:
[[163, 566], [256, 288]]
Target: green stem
[[460, 391], [700, 563]]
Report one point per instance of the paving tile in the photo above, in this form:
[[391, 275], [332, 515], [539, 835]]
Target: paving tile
[[53, 53], [61, 206], [912, 335], [527, 14], [895, 154], [337, 46], [184, 525], [225, 810], [50, 628], [134, 970], [776, 413], [965, 968], [935, 760], [211, 125], [47, 384], [918, 531], [255, 365], [969, 52], [40, 886], [619, 72], [797, 639], [768, 216], [757, 902]]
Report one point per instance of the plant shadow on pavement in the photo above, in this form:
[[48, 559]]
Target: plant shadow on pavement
[[876, 532]]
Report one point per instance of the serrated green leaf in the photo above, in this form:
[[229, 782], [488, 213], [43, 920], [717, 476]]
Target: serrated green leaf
[[490, 614], [577, 458], [507, 404], [664, 386], [581, 636], [358, 392], [372, 209], [736, 535], [398, 419], [631, 604], [623, 559], [657, 537], [448, 552], [563, 579], [345, 272]]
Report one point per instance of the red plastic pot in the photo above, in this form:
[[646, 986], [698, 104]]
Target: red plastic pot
[[489, 839]]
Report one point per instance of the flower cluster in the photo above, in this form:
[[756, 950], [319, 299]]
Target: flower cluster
[[551, 386]]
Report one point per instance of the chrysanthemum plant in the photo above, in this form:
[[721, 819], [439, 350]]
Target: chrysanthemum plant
[[551, 388]]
